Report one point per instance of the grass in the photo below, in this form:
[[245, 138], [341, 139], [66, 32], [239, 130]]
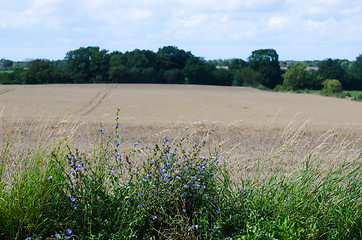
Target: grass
[[353, 94], [169, 191]]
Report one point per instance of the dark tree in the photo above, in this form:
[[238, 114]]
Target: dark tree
[[246, 77], [88, 65], [355, 74], [173, 76], [172, 57], [39, 72], [6, 64], [197, 71], [331, 69], [237, 64], [222, 77], [266, 62]]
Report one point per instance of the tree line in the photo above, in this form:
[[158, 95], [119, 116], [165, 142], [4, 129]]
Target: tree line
[[171, 65]]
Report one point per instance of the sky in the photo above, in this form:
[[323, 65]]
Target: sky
[[224, 29]]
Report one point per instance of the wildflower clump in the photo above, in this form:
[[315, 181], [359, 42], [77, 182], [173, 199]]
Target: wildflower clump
[[178, 189], [174, 192]]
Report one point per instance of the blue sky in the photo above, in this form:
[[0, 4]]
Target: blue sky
[[296, 29]]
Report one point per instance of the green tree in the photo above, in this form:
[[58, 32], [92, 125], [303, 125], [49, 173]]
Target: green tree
[[266, 62], [237, 63], [331, 69], [118, 74], [221, 77], [39, 72], [173, 76], [137, 66], [136, 59], [246, 77], [296, 77], [197, 71], [6, 64], [331, 87], [355, 73], [87, 65], [172, 57]]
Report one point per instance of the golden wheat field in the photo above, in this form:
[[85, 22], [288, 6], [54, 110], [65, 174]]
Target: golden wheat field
[[251, 126]]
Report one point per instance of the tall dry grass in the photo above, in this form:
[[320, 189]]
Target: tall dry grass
[[200, 181]]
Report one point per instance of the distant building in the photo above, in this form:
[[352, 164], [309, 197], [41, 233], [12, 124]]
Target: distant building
[[284, 68], [312, 68], [222, 67]]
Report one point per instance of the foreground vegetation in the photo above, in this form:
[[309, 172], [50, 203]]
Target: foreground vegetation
[[51, 191]]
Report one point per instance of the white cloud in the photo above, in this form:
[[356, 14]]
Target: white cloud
[[276, 23], [129, 24]]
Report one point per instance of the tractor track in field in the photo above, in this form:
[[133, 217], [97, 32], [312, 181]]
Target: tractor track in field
[[3, 91], [96, 101]]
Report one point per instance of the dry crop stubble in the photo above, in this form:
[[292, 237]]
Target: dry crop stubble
[[255, 129]]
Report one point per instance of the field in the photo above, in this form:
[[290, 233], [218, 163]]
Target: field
[[257, 134], [254, 121]]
